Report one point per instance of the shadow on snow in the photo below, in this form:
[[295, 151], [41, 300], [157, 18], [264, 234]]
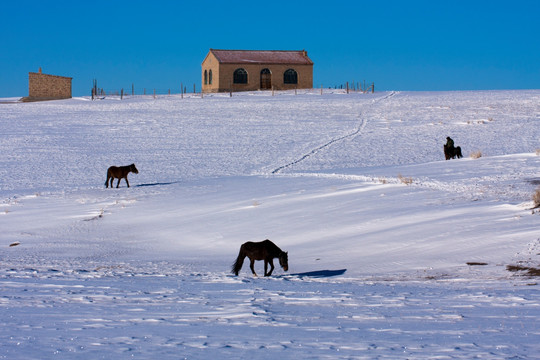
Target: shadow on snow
[[158, 184], [319, 273]]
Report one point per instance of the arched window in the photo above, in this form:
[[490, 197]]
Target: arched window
[[210, 77], [240, 76], [290, 77], [205, 77]]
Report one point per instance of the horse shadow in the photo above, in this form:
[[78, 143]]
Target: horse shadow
[[158, 184], [320, 273]]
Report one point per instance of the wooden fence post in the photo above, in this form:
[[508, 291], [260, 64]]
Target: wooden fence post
[[181, 90], [122, 94], [154, 93], [94, 89]]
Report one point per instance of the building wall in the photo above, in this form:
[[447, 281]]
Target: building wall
[[43, 86], [211, 63], [305, 76], [222, 76]]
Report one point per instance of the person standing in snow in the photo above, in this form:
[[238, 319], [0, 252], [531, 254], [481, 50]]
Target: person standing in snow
[[449, 143]]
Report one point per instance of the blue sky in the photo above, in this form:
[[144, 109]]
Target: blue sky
[[399, 45]]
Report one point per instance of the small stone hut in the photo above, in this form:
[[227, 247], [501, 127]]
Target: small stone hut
[[48, 87], [246, 70]]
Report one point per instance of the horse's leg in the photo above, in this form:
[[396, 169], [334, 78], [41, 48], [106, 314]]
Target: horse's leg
[[271, 261], [127, 182], [107, 182], [252, 266], [118, 183]]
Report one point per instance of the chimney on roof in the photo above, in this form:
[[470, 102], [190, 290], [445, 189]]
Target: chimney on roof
[[39, 70], [304, 52]]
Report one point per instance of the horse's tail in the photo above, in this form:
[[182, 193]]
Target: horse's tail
[[235, 269], [458, 152]]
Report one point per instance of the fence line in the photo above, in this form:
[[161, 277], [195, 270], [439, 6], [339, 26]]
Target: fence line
[[96, 92]]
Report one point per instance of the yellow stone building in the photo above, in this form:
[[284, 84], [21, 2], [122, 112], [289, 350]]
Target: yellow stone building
[[47, 87], [245, 70]]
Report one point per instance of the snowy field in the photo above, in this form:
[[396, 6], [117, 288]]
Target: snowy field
[[394, 253]]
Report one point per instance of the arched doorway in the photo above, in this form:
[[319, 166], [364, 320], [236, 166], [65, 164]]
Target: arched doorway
[[266, 79]]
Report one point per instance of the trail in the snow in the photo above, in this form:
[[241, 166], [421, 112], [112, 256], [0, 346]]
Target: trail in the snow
[[513, 186], [357, 131]]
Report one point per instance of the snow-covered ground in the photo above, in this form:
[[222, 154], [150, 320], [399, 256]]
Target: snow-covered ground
[[393, 251]]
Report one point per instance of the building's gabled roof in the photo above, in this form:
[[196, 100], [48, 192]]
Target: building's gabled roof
[[262, 57]]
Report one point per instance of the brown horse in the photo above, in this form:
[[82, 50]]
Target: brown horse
[[452, 153], [264, 250], [119, 172]]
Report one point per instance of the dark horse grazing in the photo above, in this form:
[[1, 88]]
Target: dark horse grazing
[[452, 152], [264, 250], [120, 172]]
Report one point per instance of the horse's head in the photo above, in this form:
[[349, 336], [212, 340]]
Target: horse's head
[[284, 260], [133, 169]]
